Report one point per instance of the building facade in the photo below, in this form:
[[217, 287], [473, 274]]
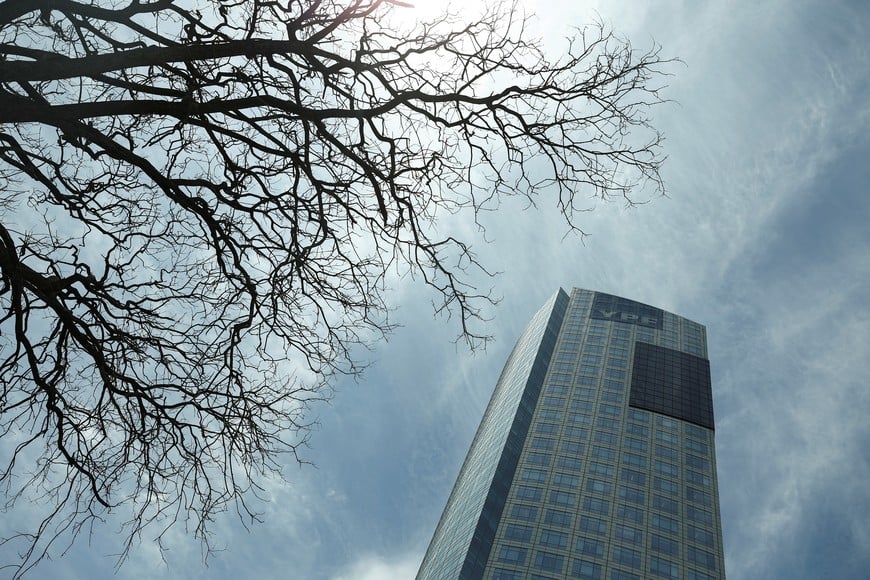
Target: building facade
[[595, 456]]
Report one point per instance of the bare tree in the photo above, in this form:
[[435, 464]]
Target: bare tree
[[202, 202]]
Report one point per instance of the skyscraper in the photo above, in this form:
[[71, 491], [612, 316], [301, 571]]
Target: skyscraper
[[595, 456]]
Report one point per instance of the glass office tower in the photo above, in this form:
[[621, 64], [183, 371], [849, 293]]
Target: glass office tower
[[595, 456]]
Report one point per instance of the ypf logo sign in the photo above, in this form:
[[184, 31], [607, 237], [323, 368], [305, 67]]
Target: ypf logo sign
[[616, 309]]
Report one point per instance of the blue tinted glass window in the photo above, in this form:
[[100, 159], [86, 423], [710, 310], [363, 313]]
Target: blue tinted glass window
[[665, 504], [563, 498], [665, 524], [589, 547], [625, 556], [593, 525], [632, 476], [701, 558], [549, 562], [631, 495], [596, 506], [565, 480], [558, 518], [512, 555], [629, 514], [518, 533], [553, 539], [661, 568], [528, 492], [524, 512], [597, 468], [628, 534], [586, 570], [664, 545]]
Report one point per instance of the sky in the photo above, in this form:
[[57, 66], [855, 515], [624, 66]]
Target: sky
[[763, 238]]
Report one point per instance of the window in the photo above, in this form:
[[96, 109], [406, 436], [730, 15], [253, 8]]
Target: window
[[632, 476], [537, 475], [702, 558], [604, 437], [553, 539], [666, 468], [554, 402], [625, 556], [558, 518], [614, 385], [696, 462], [629, 514], [579, 419], [617, 362], [618, 374], [634, 460], [573, 447], [607, 423], [663, 569], [637, 445], [667, 453], [666, 423], [586, 570], [639, 416], [528, 492], [665, 524], [596, 506], [612, 396], [665, 504], [524, 512], [622, 575], [699, 515], [695, 431], [544, 443], [667, 438], [665, 485], [518, 533], [502, 574], [697, 478], [698, 496], [636, 429], [512, 555], [697, 446], [664, 545], [550, 415], [599, 452], [579, 405], [631, 495], [700, 536], [547, 428], [568, 463], [589, 547], [695, 575], [584, 393], [563, 498], [576, 432], [598, 486], [612, 410], [597, 468], [593, 525], [539, 458], [557, 390], [628, 534], [549, 562], [565, 480]]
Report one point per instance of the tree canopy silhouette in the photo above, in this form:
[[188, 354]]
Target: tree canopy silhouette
[[201, 205]]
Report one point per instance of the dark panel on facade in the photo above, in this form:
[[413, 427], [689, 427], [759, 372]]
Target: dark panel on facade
[[672, 383], [616, 309]]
